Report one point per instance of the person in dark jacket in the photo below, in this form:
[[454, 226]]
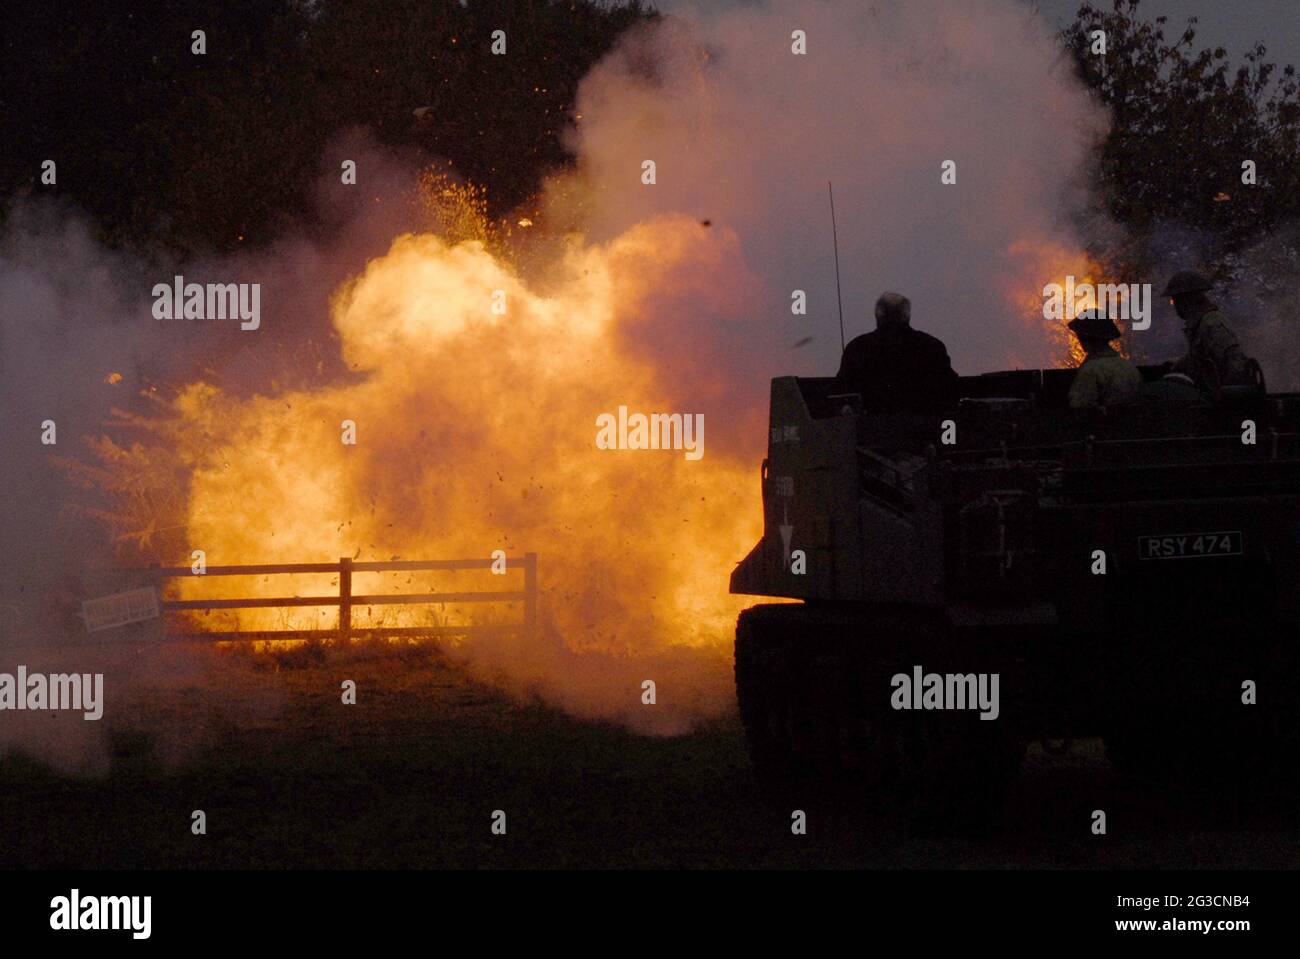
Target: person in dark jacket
[[897, 368]]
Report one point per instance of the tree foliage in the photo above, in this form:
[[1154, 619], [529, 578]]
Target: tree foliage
[[210, 153], [1183, 124], [214, 152]]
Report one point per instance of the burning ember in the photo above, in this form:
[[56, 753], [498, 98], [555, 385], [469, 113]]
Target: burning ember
[[1053, 262]]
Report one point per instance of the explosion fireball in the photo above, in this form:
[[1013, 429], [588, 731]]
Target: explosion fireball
[[475, 409], [481, 357]]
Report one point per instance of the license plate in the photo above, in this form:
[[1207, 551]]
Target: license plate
[[1190, 545]]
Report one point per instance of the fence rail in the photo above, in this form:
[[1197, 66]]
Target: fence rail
[[346, 600]]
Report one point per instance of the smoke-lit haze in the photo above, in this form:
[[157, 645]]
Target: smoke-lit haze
[[746, 134], [475, 431]]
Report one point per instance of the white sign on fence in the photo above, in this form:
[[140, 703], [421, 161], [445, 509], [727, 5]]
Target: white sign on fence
[[132, 606]]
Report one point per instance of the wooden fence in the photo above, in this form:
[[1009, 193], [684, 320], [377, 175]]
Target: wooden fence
[[347, 600]]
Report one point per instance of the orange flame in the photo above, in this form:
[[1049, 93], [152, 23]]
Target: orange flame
[[475, 426], [1044, 261]]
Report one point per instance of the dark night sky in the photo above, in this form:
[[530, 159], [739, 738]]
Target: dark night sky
[[1233, 24]]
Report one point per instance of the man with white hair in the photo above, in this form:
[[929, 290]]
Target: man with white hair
[[897, 368]]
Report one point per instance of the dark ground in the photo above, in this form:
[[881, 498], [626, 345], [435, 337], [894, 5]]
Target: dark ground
[[409, 777]]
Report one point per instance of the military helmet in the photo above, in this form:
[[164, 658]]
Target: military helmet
[[1186, 281], [1094, 325]]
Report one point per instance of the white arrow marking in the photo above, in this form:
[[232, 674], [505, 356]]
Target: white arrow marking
[[787, 531]]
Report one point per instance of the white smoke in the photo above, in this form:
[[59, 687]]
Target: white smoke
[[746, 134], [78, 339], [1258, 290]]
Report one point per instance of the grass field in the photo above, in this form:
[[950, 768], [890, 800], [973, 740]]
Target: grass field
[[409, 778]]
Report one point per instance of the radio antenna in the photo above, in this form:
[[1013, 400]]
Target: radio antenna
[[836, 241]]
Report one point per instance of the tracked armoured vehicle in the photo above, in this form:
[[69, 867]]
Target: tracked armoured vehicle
[[1132, 575]]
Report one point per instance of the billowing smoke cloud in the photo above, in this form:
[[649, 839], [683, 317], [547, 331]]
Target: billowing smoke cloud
[[476, 429], [1265, 308], [78, 341], [746, 133], [1261, 299], [75, 314]]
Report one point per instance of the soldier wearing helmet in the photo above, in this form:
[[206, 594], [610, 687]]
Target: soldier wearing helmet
[[1214, 357], [1105, 378], [895, 367]]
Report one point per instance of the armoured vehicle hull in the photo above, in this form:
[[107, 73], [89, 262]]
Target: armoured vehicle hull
[[1132, 574]]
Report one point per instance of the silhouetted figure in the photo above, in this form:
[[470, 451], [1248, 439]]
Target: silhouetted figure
[[1214, 358], [896, 368], [1105, 378]]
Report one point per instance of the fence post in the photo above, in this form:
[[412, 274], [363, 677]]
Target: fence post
[[345, 599], [530, 595]]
